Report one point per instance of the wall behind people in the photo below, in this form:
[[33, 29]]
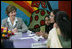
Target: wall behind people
[[65, 6]]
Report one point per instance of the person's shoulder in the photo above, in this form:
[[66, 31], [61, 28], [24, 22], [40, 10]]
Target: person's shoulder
[[19, 19], [53, 30]]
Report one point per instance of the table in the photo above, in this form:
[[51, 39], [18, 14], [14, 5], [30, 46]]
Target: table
[[25, 43]]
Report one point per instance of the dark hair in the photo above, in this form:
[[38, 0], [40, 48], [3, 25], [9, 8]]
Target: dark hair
[[46, 16], [10, 8], [54, 12], [62, 20]]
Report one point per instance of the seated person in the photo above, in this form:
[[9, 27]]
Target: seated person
[[13, 23], [63, 27], [48, 25], [52, 21], [44, 30]]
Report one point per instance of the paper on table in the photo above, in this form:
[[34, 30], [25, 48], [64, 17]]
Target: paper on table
[[37, 38], [41, 37], [38, 45], [33, 37], [16, 36], [31, 34], [25, 38], [18, 33]]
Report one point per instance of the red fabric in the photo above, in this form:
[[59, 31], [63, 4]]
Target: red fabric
[[24, 5], [65, 6]]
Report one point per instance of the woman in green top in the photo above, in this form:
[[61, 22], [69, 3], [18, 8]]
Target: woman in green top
[[44, 30]]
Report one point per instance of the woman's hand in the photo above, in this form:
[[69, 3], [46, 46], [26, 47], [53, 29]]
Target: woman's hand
[[14, 30], [45, 35], [39, 33]]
